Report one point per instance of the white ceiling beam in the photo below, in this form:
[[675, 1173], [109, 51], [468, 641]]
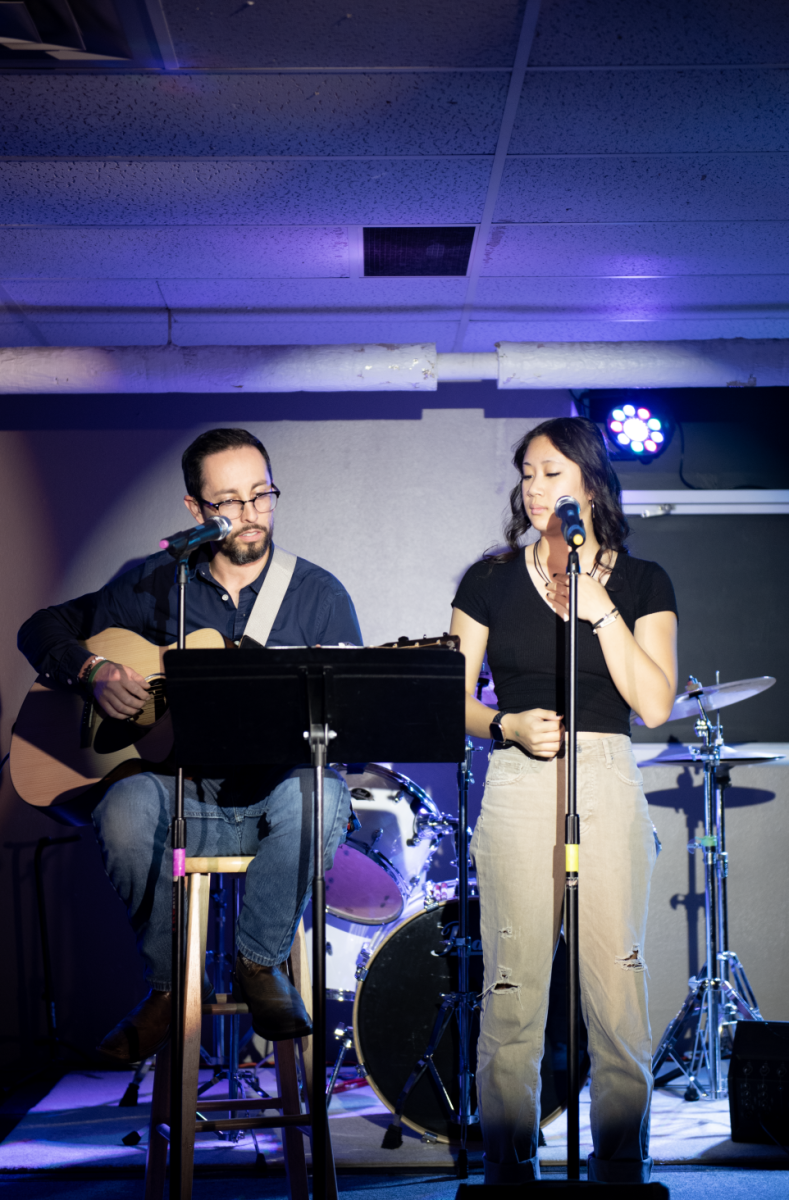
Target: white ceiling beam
[[739, 362]]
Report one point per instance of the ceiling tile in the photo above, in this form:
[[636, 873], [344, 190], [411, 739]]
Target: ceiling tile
[[211, 191], [619, 32], [243, 115], [633, 299], [308, 33], [483, 335], [233, 330], [665, 248], [613, 112], [657, 187], [323, 299], [95, 329], [234, 251], [85, 293]]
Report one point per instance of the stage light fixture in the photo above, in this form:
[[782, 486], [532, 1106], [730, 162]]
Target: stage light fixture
[[637, 431]]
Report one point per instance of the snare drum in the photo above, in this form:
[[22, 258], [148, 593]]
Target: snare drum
[[385, 861]]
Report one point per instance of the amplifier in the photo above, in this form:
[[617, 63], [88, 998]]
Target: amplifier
[[759, 1083]]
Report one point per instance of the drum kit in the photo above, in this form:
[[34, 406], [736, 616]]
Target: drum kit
[[393, 934], [721, 994], [393, 953], [399, 958]]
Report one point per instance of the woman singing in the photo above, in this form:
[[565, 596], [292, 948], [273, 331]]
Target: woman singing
[[515, 606]]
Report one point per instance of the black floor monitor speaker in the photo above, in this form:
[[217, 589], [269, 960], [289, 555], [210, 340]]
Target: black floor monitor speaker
[[759, 1083], [562, 1189]]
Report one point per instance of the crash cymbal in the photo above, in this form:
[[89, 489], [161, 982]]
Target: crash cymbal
[[715, 696], [729, 756]]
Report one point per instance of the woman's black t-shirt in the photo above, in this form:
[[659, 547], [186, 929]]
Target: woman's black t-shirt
[[528, 643]]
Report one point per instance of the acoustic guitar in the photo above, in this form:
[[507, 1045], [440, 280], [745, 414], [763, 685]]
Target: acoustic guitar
[[65, 752]]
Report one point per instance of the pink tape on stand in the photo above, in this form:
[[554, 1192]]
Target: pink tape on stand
[[179, 863]]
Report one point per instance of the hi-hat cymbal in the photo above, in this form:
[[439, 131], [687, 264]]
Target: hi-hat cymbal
[[729, 756], [715, 696]]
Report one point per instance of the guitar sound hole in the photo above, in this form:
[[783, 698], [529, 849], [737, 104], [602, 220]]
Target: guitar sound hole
[[155, 706]]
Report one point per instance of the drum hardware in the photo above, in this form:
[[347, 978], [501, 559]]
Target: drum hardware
[[408, 976], [459, 1004], [721, 994], [344, 1035], [713, 696], [385, 859]]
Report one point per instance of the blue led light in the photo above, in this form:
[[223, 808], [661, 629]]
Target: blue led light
[[618, 415], [653, 423], [638, 447]]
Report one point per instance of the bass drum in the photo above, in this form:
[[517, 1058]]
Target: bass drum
[[396, 1008]]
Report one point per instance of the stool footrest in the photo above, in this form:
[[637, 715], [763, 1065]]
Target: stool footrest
[[300, 1121], [260, 1102], [225, 1010]]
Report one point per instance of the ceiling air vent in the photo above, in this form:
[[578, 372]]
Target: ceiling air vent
[[70, 30], [420, 251]]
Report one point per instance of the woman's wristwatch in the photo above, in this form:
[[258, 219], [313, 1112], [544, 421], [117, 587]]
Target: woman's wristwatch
[[496, 731]]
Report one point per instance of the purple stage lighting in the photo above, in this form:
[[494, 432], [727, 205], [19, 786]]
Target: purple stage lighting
[[636, 431]]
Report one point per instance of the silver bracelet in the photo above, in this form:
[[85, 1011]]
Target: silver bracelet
[[606, 620]]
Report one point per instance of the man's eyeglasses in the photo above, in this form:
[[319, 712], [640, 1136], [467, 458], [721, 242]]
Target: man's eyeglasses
[[233, 509]]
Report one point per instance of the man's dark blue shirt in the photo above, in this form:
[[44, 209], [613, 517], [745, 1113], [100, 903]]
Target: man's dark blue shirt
[[316, 610]]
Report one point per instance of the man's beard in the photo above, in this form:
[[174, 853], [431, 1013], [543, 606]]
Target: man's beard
[[240, 553]]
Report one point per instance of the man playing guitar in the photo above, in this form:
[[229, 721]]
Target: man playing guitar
[[265, 811]]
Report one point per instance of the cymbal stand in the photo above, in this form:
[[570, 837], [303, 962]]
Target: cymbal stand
[[713, 999]]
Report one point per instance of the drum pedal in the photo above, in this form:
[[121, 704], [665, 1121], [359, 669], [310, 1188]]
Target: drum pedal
[[428, 1138]]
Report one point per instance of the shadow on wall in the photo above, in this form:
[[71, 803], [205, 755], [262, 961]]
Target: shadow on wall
[[688, 797]]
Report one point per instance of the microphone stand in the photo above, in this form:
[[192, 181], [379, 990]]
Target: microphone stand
[[572, 838], [178, 843]]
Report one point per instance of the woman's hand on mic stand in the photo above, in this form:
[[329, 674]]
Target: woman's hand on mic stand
[[593, 600]]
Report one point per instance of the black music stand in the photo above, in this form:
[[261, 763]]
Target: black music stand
[[366, 704]]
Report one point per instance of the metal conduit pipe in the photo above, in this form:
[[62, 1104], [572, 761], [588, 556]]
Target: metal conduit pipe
[[739, 362]]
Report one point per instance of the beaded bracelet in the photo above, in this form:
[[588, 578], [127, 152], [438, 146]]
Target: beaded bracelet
[[87, 666]]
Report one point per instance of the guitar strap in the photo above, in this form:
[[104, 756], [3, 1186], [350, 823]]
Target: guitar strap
[[270, 597]]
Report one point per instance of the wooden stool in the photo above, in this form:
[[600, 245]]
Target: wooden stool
[[293, 1122]]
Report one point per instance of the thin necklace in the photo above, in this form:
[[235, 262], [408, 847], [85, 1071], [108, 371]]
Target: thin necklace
[[541, 569]]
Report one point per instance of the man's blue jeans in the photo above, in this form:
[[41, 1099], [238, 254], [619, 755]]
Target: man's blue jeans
[[223, 817]]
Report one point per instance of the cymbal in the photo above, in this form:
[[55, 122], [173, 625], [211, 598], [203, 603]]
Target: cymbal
[[715, 696], [729, 756]]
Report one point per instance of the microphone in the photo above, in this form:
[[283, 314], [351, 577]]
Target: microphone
[[182, 544], [568, 511]]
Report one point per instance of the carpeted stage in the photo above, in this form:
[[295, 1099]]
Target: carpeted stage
[[70, 1143]]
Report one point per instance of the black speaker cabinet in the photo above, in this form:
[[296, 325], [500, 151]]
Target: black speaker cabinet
[[759, 1083]]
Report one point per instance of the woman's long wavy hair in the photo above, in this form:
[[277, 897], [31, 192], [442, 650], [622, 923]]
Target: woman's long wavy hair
[[578, 439]]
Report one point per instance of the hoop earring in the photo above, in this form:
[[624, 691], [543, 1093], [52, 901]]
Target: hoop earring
[[593, 510]]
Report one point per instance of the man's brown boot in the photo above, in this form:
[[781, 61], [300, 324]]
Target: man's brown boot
[[276, 1007], [142, 1032]]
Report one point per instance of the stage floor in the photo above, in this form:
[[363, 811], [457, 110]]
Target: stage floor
[[79, 1125]]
